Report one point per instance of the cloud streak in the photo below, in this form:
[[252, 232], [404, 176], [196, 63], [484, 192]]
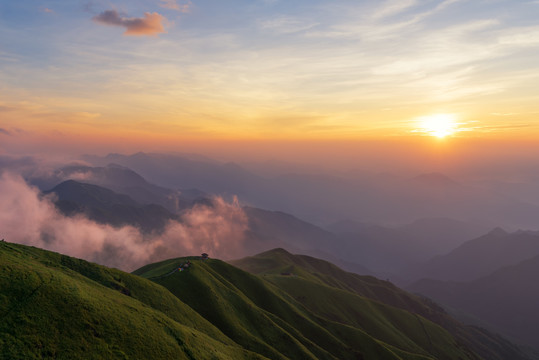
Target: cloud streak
[[150, 25], [6, 108], [29, 218], [392, 7], [175, 5]]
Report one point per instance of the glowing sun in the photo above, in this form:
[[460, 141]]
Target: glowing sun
[[439, 125]]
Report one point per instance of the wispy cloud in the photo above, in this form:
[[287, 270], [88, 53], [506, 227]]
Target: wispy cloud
[[184, 6], [393, 7], [286, 25], [151, 24], [523, 36], [47, 10], [4, 132]]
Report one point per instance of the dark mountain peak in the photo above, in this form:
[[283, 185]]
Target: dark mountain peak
[[67, 184], [108, 207], [88, 194], [73, 184], [112, 175], [74, 167], [117, 166], [498, 231], [112, 155], [140, 153], [276, 251]]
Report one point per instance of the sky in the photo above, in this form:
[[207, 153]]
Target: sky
[[179, 74]]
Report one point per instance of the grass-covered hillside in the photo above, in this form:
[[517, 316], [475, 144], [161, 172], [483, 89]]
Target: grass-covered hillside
[[310, 310], [350, 298], [56, 307]]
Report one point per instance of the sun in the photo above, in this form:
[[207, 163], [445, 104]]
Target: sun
[[438, 125]]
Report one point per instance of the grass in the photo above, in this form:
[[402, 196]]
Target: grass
[[303, 316], [56, 307], [53, 306]]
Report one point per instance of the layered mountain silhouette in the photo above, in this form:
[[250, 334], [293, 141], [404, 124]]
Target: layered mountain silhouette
[[505, 301], [481, 256], [125, 181], [105, 206], [391, 249], [381, 249], [267, 229], [328, 197]]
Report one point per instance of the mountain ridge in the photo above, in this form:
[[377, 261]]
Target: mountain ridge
[[505, 300]]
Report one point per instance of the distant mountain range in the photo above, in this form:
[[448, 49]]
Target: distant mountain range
[[357, 247], [326, 198], [105, 206], [125, 181], [381, 249], [297, 307], [267, 229], [505, 300], [393, 249], [481, 256]]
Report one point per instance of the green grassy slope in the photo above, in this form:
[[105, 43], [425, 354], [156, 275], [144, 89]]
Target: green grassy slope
[[54, 306], [311, 276], [267, 317]]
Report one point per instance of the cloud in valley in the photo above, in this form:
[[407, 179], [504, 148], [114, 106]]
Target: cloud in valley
[[27, 217], [151, 24]]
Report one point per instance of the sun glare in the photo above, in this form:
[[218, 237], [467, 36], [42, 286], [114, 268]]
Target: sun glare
[[438, 125]]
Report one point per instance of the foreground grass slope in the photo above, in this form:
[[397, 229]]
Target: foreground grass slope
[[305, 318], [344, 292], [54, 306]]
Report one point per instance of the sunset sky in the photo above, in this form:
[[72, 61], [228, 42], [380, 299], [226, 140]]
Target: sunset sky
[[162, 72]]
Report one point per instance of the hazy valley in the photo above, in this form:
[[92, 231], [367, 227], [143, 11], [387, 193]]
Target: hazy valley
[[112, 215]]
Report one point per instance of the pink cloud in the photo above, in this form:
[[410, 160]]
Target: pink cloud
[[151, 24], [29, 218]]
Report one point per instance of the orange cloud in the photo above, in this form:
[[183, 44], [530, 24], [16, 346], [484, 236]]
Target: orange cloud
[[151, 24]]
